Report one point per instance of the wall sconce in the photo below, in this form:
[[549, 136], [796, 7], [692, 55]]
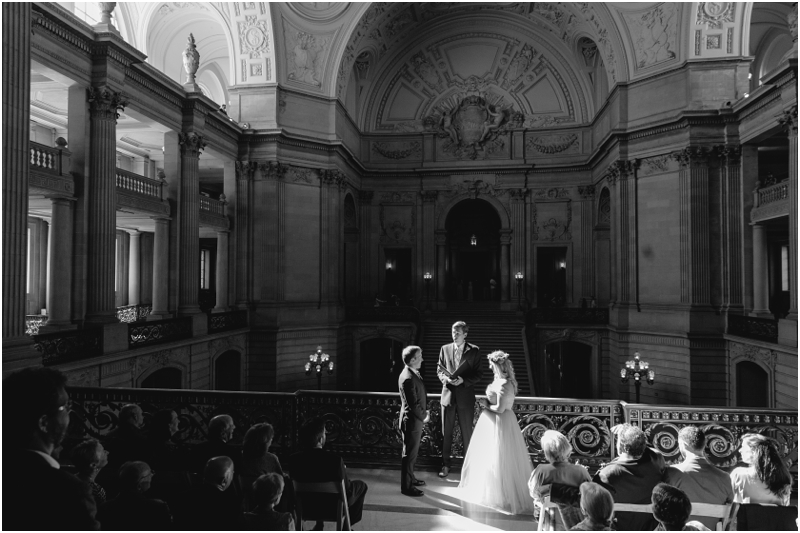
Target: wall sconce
[[562, 265], [473, 240], [427, 277]]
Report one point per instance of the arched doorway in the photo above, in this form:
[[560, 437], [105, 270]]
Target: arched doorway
[[381, 364], [227, 371], [165, 378], [752, 389], [473, 252], [568, 370]]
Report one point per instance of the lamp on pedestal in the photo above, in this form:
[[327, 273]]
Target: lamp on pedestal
[[318, 362], [638, 370]]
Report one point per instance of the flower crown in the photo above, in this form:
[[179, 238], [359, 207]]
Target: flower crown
[[498, 357]]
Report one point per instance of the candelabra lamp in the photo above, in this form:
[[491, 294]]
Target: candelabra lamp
[[428, 277], [519, 276], [318, 363], [638, 370]]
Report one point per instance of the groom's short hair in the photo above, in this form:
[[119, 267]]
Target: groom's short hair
[[462, 326], [409, 353]]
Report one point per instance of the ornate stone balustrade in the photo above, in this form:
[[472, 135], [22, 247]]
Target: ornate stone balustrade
[[66, 346], [363, 426], [218, 322], [159, 331], [210, 205], [33, 322], [383, 314], [45, 159], [770, 202], [133, 313], [567, 315], [762, 329], [130, 182]]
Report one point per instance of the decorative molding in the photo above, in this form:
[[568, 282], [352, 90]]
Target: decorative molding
[[332, 177], [555, 143], [214, 221], [692, 156], [245, 169], [552, 193], [151, 206], [656, 165], [429, 196], [398, 150], [253, 36], [653, 34], [397, 198], [216, 346], [298, 174], [715, 14], [365, 197], [272, 170], [586, 192], [753, 353], [50, 183]]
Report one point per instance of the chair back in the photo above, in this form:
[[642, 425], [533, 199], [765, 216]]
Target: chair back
[[306, 492], [547, 510], [766, 517], [724, 512]]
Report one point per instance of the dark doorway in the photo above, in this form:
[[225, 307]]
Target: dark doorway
[[227, 371], [397, 284], [551, 276], [381, 364], [166, 378], [752, 388], [473, 242], [569, 370]]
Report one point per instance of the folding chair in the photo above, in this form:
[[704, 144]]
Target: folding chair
[[547, 510], [308, 496], [724, 512]]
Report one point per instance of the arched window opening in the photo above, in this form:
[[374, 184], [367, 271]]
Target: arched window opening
[[752, 385], [227, 371], [165, 378]]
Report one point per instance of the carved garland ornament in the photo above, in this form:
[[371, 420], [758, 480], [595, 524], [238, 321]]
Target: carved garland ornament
[[397, 150], [553, 144]]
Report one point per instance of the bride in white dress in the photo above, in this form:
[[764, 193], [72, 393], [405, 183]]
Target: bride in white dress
[[497, 466]]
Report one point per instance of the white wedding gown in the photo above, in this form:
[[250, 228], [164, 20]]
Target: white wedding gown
[[497, 466]]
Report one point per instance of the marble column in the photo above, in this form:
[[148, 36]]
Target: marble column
[[441, 265], [59, 279], [16, 133], [732, 228], [222, 272], [789, 119], [760, 272], [160, 270], [505, 265], [243, 229], [134, 259], [189, 223], [102, 204]]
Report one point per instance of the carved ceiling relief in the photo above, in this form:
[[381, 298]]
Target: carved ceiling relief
[[254, 48], [306, 55], [397, 223], [473, 128], [551, 215], [653, 34], [715, 28]]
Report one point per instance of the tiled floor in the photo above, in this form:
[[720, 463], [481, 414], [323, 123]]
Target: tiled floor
[[386, 509]]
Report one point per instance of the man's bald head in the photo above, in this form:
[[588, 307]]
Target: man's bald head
[[131, 414], [221, 428], [135, 476], [219, 472]]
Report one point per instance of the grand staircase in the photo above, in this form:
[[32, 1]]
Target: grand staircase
[[489, 328]]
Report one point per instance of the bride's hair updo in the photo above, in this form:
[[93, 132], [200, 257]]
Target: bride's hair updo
[[500, 360]]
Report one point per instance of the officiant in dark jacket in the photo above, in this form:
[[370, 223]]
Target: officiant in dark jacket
[[413, 416], [459, 369]]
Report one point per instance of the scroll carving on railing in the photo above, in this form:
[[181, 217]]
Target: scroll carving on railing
[[567, 315], [33, 323], [218, 322], [133, 313], [751, 327], [158, 331], [66, 346]]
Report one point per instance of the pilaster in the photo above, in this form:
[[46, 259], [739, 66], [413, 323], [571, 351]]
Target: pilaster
[[134, 258], [160, 270], [731, 228], [244, 243], [518, 253], [268, 257], [428, 236], [505, 264], [332, 182], [587, 196], [787, 328], [366, 276], [191, 144], [441, 252], [222, 272]]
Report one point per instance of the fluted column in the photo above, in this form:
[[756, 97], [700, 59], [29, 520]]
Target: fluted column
[[331, 233], [441, 264], [160, 269], [518, 254], [222, 272], [189, 223], [104, 104], [243, 228], [732, 228], [760, 271], [623, 174], [587, 254], [16, 133], [789, 119], [134, 258], [505, 265], [59, 276]]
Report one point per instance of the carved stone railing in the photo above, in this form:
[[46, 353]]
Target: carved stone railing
[[33, 322], [770, 201], [218, 322], [382, 314], [66, 346], [131, 182], [159, 331], [46, 159], [210, 205], [212, 213], [133, 313], [724, 427], [567, 315], [751, 327]]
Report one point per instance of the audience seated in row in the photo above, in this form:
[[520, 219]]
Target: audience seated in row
[[89, 457], [672, 508], [132, 509], [267, 491], [597, 506], [126, 442], [766, 479], [215, 504], [220, 432]]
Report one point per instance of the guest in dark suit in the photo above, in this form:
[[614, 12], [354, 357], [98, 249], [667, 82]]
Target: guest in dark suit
[[459, 370], [413, 416], [126, 441], [316, 465], [38, 494], [220, 432], [132, 510], [215, 505]]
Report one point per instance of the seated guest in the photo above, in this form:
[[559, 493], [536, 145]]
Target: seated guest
[[597, 506], [766, 479], [162, 453], [131, 510], [632, 475], [267, 491], [696, 476], [38, 494], [315, 464], [220, 432], [89, 457], [256, 459], [214, 505], [557, 451], [126, 441], [671, 508]]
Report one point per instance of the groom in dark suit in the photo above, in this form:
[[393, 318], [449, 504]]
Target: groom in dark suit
[[459, 369], [413, 416]]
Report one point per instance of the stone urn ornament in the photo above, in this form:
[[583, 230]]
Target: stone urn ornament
[[106, 24], [191, 61]]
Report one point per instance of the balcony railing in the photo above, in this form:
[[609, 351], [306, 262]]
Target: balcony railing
[[46, 159], [210, 205], [770, 194], [567, 315], [383, 314], [362, 426], [218, 322], [133, 313], [128, 181], [751, 327], [159, 331], [33, 323], [66, 346]]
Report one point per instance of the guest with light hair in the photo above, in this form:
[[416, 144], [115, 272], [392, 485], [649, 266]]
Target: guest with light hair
[[597, 506], [559, 471], [89, 457]]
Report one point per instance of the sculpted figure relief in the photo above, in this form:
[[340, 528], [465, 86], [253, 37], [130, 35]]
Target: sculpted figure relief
[[472, 126]]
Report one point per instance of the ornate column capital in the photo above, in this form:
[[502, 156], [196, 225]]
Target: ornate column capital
[[692, 156], [192, 143], [245, 169], [621, 169], [729, 153], [105, 103], [272, 170], [788, 119], [429, 196], [332, 177], [586, 192], [517, 195], [365, 197], [505, 237]]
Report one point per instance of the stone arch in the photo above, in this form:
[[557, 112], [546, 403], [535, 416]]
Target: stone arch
[[350, 211], [588, 338], [147, 372], [764, 358], [502, 212], [228, 356]]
